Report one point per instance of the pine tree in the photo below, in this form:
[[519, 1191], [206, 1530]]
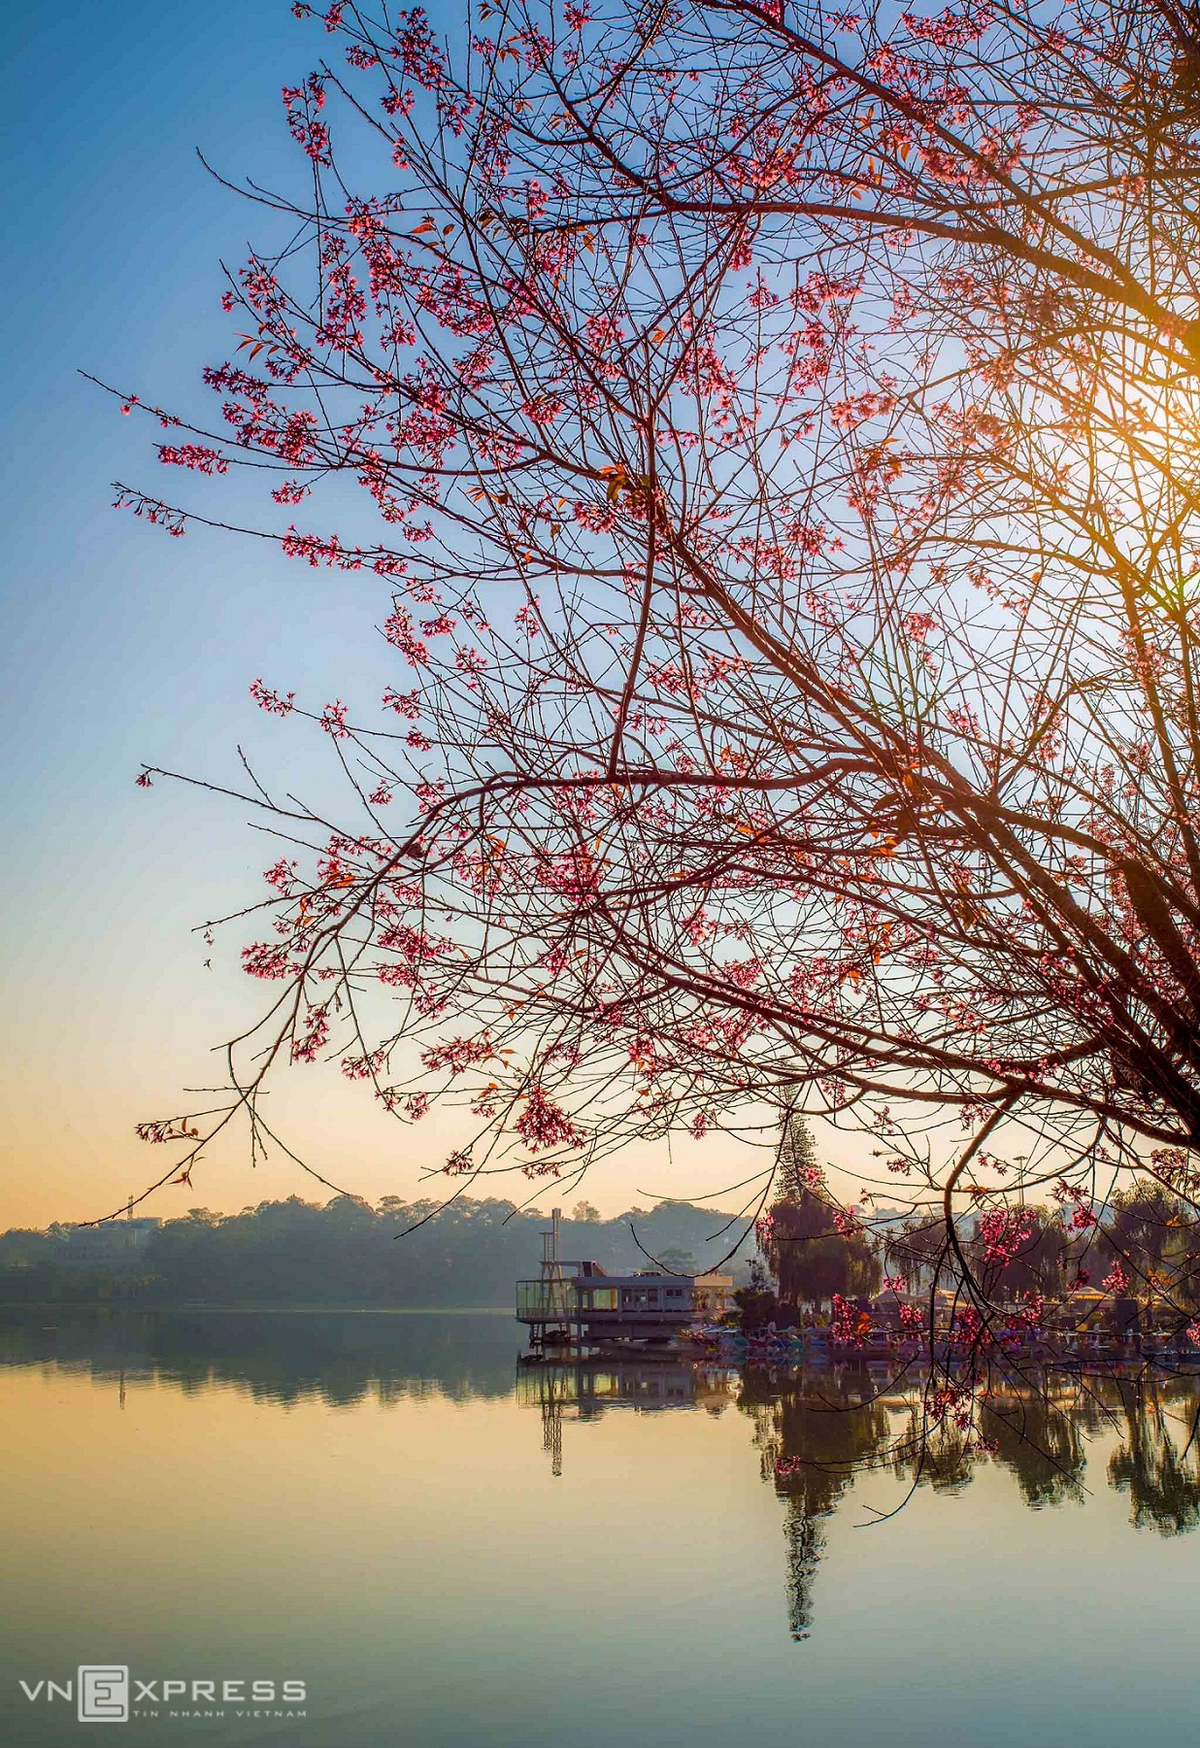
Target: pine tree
[[800, 1235], [796, 1164]]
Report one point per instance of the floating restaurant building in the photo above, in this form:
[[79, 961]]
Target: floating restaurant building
[[589, 1308]]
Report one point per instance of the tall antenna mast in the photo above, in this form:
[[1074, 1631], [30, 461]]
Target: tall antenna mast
[[551, 1254]]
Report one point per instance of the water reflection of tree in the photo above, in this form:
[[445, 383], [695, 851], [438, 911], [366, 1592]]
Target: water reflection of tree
[[814, 1436], [1036, 1437], [284, 1357], [1158, 1461], [816, 1433], [1040, 1441]]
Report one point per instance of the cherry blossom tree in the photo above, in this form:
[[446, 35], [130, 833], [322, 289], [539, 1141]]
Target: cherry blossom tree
[[774, 434]]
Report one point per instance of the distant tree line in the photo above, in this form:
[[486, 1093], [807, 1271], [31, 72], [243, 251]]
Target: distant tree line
[[350, 1253], [1144, 1244]]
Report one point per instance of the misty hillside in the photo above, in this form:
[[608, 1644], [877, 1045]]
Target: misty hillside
[[346, 1252]]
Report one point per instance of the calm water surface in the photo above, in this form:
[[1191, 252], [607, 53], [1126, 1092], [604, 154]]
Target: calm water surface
[[447, 1551]]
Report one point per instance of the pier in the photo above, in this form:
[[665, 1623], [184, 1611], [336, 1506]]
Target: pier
[[575, 1304]]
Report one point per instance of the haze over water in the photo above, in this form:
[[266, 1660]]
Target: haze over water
[[449, 1552]]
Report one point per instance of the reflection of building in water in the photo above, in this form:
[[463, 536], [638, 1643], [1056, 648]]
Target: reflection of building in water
[[553, 1395], [584, 1389], [816, 1432], [589, 1308]]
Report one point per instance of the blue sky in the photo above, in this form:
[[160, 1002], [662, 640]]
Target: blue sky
[[121, 645]]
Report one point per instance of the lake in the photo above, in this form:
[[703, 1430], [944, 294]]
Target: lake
[[446, 1549]]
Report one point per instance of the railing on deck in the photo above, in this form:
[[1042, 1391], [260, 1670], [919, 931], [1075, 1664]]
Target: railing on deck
[[546, 1301]]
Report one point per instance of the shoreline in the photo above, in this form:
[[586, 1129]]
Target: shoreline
[[265, 1310]]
